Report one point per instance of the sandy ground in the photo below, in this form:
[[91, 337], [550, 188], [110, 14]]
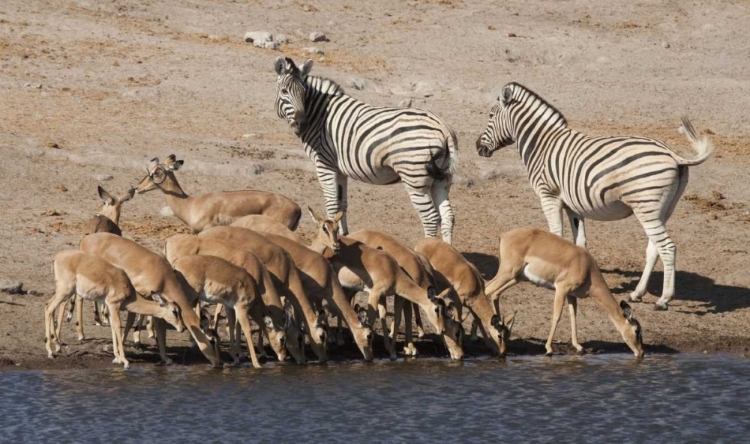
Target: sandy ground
[[93, 89]]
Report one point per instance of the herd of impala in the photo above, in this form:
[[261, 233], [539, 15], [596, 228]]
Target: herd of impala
[[246, 257]]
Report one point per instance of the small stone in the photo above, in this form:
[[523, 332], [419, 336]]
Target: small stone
[[281, 38], [266, 44], [11, 287], [27, 85], [512, 34], [665, 45], [61, 187], [717, 195], [53, 213], [54, 145], [358, 83], [38, 86], [166, 212], [422, 87], [254, 36], [313, 50], [249, 135], [491, 27], [406, 103], [103, 177], [318, 37]]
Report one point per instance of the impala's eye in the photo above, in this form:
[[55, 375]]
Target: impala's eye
[[325, 230]]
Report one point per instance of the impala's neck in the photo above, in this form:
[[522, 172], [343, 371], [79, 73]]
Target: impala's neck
[[110, 213], [481, 307], [142, 306], [179, 202], [600, 292]]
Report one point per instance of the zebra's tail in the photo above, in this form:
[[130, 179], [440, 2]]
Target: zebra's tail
[[449, 156], [702, 146]]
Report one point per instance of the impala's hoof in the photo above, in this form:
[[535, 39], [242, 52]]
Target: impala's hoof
[[548, 354]]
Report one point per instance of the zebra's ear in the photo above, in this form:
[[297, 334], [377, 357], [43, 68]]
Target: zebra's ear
[[506, 96], [280, 66], [306, 68]]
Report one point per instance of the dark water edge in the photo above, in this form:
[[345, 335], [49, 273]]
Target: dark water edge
[[613, 398]]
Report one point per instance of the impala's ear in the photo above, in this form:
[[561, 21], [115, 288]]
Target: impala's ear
[[626, 311], [279, 66], [129, 195], [496, 321], [315, 217], [322, 318], [338, 217], [361, 314], [105, 196], [176, 165], [431, 294], [509, 322], [159, 299], [154, 163], [268, 321], [306, 68], [451, 312], [507, 95], [443, 294]]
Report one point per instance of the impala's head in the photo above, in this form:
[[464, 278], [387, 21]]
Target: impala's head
[[319, 336], [499, 331], [454, 330], [328, 230], [112, 205], [158, 173], [362, 332], [278, 337], [291, 89], [499, 131], [436, 309], [170, 311], [631, 331]]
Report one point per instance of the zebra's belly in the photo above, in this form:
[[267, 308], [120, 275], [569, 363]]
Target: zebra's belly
[[609, 211], [377, 176]]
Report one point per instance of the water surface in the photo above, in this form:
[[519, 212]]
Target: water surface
[[679, 398]]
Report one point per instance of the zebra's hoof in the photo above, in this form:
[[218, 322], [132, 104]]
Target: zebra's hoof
[[660, 307], [635, 298]]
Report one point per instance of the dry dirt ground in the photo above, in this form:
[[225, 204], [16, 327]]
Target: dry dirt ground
[[93, 89]]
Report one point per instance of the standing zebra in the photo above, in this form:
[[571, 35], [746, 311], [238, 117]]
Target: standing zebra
[[348, 138], [602, 178]]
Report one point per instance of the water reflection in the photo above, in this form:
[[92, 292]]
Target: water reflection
[[583, 399]]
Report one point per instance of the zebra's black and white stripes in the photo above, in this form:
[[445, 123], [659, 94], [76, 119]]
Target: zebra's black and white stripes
[[602, 178], [345, 138]]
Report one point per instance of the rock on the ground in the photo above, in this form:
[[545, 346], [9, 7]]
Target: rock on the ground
[[318, 37], [406, 103], [166, 211], [358, 83], [255, 36], [103, 177], [313, 50], [265, 44], [281, 38], [423, 88], [11, 287]]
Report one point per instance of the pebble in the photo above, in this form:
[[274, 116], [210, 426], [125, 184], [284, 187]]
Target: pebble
[[422, 87], [166, 212], [253, 36], [406, 103], [318, 37], [281, 38], [665, 45], [266, 44], [313, 50], [103, 177], [11, 287]]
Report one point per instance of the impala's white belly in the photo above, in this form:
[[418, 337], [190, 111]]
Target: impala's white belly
[[536, 280]]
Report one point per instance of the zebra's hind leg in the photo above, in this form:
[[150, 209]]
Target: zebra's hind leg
[[421, 199], [439, 192], [652, 254], [577, 227], [658, 238]]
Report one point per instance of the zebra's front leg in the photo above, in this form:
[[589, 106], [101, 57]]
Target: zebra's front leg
[[428, 214], [552, 207], [334, 193], [577, 227], [439, 192], [341, 196]]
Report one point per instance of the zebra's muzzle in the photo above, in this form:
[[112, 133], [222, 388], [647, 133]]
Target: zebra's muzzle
[[482, 150]]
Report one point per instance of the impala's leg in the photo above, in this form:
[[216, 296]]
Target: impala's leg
[[257, 314], [474, 326], [374, 304], [79, 320], [572, 308], [421, 199], [418, 320], [104, 314], [60, 313], [261, 347], [440, 190], [161, 338], [97, 317], [217, 313], [118, 347], [409, 349], [552, 207], [150, 326], [137, 331], [234, 348], [62, 292], [577, 227], [129, 320], [71, 308], [560, 296]]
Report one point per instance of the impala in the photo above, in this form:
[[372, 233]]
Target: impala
[[92, 278], [261, 223], [150, 273], [547, 260], [214, 209]]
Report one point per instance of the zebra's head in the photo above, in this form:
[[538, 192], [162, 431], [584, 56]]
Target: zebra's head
[[499, 132], [290, 92]]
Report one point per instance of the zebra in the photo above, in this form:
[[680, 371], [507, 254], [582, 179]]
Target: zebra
[[346, 138], [602, 178]]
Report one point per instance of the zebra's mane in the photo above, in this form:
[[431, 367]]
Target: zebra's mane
[[325, 86], [517, 87]]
